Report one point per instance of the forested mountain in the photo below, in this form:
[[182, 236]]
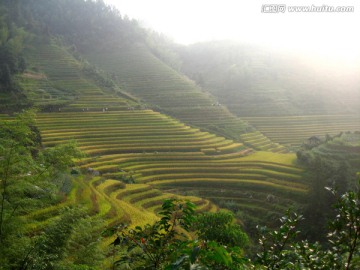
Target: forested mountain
[[122, 150]]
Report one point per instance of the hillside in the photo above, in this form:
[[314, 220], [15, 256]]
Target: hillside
[[127, 142], [102, 105], [56, 81], [138, 71], [149, 132], [117, 89], [283, 83], [299, 96]]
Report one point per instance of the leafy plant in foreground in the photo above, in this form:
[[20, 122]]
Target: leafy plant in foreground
[[280, 250], [167, 244], [218, 244], [152, 246]]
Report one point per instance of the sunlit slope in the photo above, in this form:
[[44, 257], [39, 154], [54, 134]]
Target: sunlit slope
[[258, 187], [294, 130], [129, 132], [56, 81], [156, 152]]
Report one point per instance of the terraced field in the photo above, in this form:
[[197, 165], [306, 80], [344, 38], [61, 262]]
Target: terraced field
[[294, 130], [137, 158], [56, 81], [259, 142], [59, 83], [159, 157], [145, 76]]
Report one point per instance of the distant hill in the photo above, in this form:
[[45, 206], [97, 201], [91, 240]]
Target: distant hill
[[258, 81]]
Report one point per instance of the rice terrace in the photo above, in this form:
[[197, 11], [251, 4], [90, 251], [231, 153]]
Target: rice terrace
[[104, 123]]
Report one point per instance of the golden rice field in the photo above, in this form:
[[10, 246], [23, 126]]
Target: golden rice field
[[137, 70], [163, 157]]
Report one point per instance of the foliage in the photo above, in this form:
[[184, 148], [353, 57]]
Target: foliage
[[11, 46], [282, 251], [82, 23], [275, 244], [16, 167], [56, 243], [345, 231], [326, 167], [59, 157], [154, 246], [219, 227], [160, 246], [26, 184], [166, 244]]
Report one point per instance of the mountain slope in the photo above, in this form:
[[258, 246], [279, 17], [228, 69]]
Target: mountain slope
[[137, 70], [129, 144], [247, 78]]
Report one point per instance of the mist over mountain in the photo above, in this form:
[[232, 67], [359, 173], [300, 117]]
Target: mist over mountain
[[282, 83]]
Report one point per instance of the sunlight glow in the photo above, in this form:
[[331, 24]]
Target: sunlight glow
[[190, 21]]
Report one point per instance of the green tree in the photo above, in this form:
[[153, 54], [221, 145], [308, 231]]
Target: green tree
[[281, 250], [220, 227], [155, 246], [12, 40], [16, 169], [166, 244], [54, 248], [26, 181], [160, 246]]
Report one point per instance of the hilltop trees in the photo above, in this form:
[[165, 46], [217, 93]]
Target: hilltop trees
[[11, 47], [80, 23]]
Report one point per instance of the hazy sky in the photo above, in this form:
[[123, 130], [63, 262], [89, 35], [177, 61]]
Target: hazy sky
[[190, 21]]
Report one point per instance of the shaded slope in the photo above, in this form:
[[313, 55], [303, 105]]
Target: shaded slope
[[57, 81], [141, 73]]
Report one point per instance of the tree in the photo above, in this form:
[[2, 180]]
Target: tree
[[280, 250], [162, 246], [26, 181], [166, 243], [344, 235], [16, 167], [155, 246], [11, 46], [220, 227]]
